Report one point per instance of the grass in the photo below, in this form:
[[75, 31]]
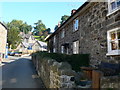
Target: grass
[[37, 37]]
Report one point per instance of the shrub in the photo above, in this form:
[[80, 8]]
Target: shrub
[[76, 61]]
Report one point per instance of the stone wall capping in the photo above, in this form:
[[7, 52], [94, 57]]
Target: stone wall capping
[[55, 74]]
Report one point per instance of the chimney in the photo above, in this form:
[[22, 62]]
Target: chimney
[[73, 11], [59, 24]]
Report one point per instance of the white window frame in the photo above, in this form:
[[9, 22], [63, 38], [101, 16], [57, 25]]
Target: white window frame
[[54, 39], [110, 51], [63, 33], [75, 24], [62, 49], [76, 47], [54, 50], [110, 10]]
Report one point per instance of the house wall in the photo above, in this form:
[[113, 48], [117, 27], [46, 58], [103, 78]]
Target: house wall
[[92, 34], [3, 39], [36, 47], [31, 40]]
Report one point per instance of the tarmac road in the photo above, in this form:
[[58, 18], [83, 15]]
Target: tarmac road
[[20, 73]]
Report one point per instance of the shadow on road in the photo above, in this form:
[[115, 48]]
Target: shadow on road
[[20, 73]]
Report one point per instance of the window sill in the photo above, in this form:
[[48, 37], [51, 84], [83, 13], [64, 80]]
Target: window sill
[[75, 30], [112, 12], [113, 54]]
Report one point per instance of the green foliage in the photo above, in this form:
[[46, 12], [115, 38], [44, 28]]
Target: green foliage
[[64, 18], [39, 28], [23, 27], [76, 61], [41, 31], [13, 38], [37, 37], [14, 28], [56, 27]]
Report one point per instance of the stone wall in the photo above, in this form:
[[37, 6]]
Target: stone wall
[[60, 75], [94, 22], [54, 74], [110, 82], [3, 39]]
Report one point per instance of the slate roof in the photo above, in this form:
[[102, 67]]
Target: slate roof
[[26, 36], [25, 44], [78, 10], [42, 43]]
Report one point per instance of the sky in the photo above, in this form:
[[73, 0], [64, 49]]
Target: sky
[[49, 12]]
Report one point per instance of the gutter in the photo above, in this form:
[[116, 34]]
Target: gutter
[[3, 25]]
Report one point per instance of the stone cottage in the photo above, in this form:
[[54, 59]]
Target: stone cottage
[[27, 41], [39, 46], [3, 40], [30, 45], [93, 29]]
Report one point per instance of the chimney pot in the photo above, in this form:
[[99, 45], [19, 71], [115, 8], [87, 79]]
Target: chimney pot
[[73, 11]]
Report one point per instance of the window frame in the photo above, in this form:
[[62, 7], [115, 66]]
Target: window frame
[[54, 50], [110, 51], [54, 39], [62, 49], [63, 33], [76, 47], [110, 10], [75, 24]]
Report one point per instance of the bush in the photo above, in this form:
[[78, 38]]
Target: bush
[[76, 61]]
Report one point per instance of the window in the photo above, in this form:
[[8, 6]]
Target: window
[[113, 5], [76, 47], [63, 34], [113, 37], [54, 39], [54, 50], [75, 25], [62, 49]]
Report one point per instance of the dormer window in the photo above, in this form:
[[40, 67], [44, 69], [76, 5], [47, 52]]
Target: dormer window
[[113, 5]]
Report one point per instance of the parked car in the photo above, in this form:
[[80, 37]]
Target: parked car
[[11, 53], [18, 53]]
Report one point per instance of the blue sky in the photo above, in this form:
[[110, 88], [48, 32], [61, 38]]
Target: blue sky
[[49, 12]]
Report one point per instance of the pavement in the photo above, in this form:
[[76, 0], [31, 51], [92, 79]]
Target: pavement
[[19, 72]]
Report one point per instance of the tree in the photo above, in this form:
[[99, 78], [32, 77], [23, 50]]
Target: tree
[[56, 27], [39, 28], [13, 37], [64, 18], [14, 28], [23, 27]]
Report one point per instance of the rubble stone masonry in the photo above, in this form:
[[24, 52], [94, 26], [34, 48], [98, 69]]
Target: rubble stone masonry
[[94, 22], [3, 39]]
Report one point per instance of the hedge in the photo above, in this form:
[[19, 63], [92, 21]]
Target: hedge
[[76, 60]]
